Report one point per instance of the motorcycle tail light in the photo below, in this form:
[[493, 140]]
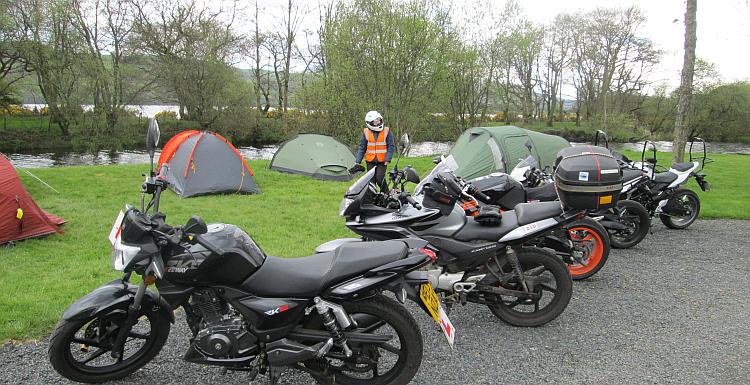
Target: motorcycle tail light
[[429, 252]]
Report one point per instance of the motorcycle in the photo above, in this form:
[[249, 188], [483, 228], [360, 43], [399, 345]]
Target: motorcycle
[[583, 244], [489, 265], [247, 311], [626, 224], [660, 190]]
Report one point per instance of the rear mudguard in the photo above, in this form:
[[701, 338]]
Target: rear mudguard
[[114, 295]]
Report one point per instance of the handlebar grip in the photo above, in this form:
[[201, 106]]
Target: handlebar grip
[[208, 245], [413, 202]]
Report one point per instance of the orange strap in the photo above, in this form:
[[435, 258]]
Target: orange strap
[[192, 153]]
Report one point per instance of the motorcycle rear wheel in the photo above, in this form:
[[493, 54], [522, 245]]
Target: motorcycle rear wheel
[[396, 362], [690, 201], [549, 278], [80, 349], [633, 215]]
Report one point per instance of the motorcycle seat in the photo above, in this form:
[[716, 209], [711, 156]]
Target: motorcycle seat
[[544, 193], [532, 212], [665, 177], [306, 277], [473, 231], [629, 174], [683, 166]]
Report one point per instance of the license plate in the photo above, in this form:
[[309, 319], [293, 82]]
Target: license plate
[[114, 234], [432, 303]]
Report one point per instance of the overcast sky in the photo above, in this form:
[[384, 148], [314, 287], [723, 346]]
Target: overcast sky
[[723, 29]]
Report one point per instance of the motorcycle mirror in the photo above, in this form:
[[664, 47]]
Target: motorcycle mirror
[[411, 174], [437, 159], [152, 136], [195, 225], [404, 144]]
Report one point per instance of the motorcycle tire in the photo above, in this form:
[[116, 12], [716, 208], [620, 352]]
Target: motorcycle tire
[[635, 216], [591, 238], [64, 344], [381, 311], [535, 262], [687, 197]]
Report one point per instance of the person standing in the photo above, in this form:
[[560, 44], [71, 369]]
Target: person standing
[[376, 147]]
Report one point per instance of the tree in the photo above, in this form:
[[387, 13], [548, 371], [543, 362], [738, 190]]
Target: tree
[[51, 46], [528, 45], [682, 121], [191, 48], [386, 56], [106, 27]]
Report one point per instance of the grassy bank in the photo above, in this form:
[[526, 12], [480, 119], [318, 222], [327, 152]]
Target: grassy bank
[[294, 214]]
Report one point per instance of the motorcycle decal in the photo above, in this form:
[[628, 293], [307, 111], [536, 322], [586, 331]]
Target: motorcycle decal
[[584, 176], [181, 266], [525, 230], [277, 310]]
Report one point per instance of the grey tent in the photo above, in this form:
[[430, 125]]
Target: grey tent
[[482, 150], [202, 163], [319, 156]]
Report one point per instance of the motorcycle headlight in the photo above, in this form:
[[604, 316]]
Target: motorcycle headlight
[[122, 255], [344, 205]]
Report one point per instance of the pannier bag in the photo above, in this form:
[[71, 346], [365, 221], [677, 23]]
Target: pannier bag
[[489, 216], [587, 177]]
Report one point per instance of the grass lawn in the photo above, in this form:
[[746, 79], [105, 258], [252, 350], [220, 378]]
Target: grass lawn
[[41, 277]]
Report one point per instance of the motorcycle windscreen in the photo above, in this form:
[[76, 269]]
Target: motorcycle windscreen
[[448, 164]]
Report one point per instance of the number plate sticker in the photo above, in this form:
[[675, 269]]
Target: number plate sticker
[[114, 234], [432, 303]]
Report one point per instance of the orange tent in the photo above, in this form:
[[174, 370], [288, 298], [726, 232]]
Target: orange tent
[[20, 217]]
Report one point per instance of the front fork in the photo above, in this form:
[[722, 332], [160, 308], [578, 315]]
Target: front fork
[[125, 328]]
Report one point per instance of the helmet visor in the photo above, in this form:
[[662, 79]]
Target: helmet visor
[[376, 122]]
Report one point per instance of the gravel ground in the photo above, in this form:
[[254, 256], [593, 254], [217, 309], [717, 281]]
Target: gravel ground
[[675, 309]]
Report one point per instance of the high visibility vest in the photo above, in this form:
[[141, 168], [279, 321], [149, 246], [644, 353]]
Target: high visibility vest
[[376, 149]]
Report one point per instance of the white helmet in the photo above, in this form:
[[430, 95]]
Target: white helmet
[[374, 121]]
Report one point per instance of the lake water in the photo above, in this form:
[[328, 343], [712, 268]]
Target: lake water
[[53, 159]]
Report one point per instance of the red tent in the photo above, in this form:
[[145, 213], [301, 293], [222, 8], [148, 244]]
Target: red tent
[[20, 217]]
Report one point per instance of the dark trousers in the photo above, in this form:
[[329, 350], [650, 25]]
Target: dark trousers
[[380, 170]]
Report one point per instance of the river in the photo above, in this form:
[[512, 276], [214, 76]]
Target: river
[[54, 159]]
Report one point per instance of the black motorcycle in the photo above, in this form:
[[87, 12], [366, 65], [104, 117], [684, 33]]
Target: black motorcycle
[[660, 190], [324, 314]]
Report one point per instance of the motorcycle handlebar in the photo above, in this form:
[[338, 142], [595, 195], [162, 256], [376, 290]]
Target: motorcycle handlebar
[[413, 202]]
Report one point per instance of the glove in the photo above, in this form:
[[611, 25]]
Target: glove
[[356, 168]]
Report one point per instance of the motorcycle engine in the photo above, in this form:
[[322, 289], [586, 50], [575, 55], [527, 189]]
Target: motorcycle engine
[[221, 331]]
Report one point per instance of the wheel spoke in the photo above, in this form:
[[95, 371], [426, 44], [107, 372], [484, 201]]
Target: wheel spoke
[[373, 327], [392, 349], [535, 271], [93, 356], [139, 336], [548, 288], [87, 341]]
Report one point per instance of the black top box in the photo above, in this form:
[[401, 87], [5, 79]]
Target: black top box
[[587, 177]]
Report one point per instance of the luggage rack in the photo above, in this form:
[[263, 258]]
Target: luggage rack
[[702, 159]]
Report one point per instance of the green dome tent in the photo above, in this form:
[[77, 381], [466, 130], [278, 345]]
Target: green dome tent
[[319, 156], [483, 150]]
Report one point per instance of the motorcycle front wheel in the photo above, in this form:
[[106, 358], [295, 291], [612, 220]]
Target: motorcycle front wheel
[[80, 350], [690, 203], [635, 217], [546, 276]]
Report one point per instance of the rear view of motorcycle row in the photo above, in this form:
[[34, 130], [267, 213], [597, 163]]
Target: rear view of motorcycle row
[[511, 242]]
